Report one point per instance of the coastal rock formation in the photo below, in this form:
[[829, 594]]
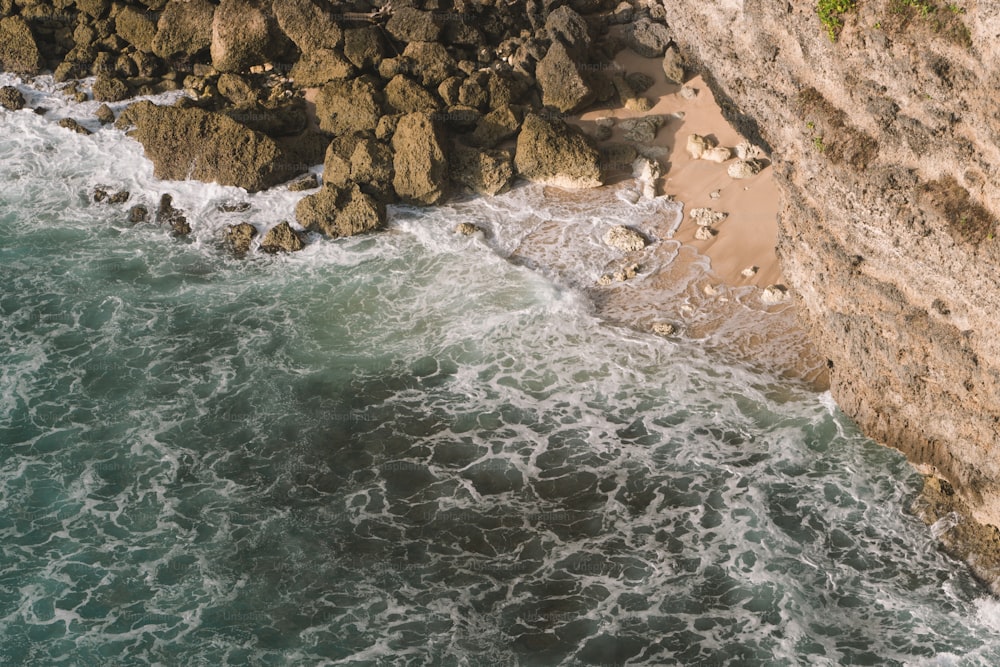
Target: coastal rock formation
[[240, 237], [884, 143], [193, 143], [18, 50], [552, 152], [420, 163], [339, 212], [281, 238], [184, 28]]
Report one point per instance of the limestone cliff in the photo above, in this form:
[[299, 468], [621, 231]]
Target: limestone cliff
[[885, 143]]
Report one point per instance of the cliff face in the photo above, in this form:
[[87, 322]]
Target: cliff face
[[886, 146]]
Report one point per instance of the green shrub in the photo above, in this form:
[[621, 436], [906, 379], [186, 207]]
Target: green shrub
[[831, 15]]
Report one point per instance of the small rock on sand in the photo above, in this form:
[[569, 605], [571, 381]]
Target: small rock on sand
[[696, 146], [705, 233], [642, 130], [688, 93], [750, 271], [625, 239], [719, 154], [744, 169], [774, 294], [706, 217]]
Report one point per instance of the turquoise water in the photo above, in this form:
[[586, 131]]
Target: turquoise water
[[406, 450]]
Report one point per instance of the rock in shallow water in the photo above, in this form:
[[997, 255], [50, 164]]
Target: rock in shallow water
[[240, 237], [625, 239], [11, 98], [281, 238]]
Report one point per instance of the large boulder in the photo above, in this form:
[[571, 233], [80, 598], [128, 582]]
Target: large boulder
[[184, 28], [110, 89], [364, 46], [18, 50], [244, 33], [404, 96], [673, 65], [308, 25], [348, 106], [339, 212], [412, 25], [496, 126], [647, 38], [569, 28], [563, 86], [485, 172], [192, 143], [431, 61], [420, 162], [372, 165], [136, 27], [553, 152], [321, 66]]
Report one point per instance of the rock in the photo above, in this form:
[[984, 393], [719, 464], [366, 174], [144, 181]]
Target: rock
[[775, 294], [704, 233], [405, 96], [688, 93], [371, 164], [197, 144], [625, 239], [641, 130], [240, 237], [744, 169], [321, 66], [625, 273], [104, 114], [468, 229], [309, 26], [340, 212], [431, 62], [71, 124], [110, 89], [638, 104], [639, 82], [119, 197], [363, 47], [93, 8], [236, 89], [136, 27], [244, 33], [664, 329], [485, 172], [281, 238], [348, 106], [169, 215], [747, 151], [622, 14], [673, 66], [646, 171], [18, 50], [421, 167], [552, 152], [472, 94], [234, 207], [718, 154], [184, 28], [647, 38], [137, 214], [565, 26], [495, 127], [563, 86], [706, 217], [302, 183], [696, 146], [11, 98], [750, 271], [714, 194], [412, 25]]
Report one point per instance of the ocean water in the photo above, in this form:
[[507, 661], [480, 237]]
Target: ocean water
[[406, 449]]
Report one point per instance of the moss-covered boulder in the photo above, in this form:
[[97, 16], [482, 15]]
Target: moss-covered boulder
[[192, 143]]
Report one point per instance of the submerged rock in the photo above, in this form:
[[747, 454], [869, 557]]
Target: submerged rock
[[281, 238], [552, 152], [168, 215], [240, 237], [71, 124], [137, 214]]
